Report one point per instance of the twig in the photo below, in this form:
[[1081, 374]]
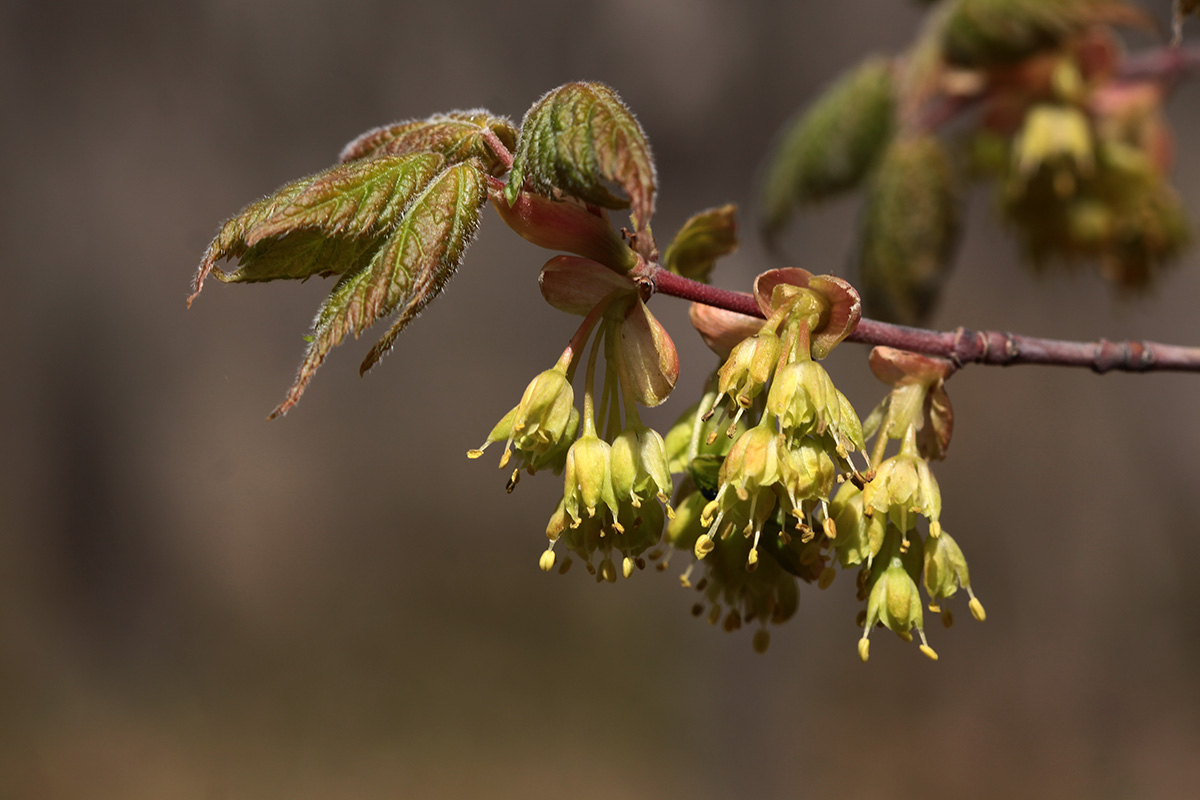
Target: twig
[[964, 346]]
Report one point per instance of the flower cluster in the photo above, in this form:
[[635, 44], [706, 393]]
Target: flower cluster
[[617, 485], [878, 524], [751, 493], [762, 520]]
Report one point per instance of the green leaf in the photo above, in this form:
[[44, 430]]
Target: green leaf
[[575, 137], [984, 33], [910, 228], [325, 224], [405, 272], [833, 144], [458, 135], [703, 239]]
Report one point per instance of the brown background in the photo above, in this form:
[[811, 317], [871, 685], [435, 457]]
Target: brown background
[[195, 603]]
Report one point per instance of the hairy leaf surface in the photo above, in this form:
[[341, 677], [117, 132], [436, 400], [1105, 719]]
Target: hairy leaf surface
[[575, 137], [458, 135], [984, 33], [833, 144], [703, 239], [321, 225], [910, 228], [405, 272]]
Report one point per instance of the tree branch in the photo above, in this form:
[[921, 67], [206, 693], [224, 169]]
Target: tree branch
[[964, 346], [1164, 63]]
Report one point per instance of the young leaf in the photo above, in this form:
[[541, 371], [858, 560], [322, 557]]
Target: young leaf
[[910, 227], [321, 225], [578, 135], [458, 135], [701, 241], [985, 33], [830, 147], [404, 273]]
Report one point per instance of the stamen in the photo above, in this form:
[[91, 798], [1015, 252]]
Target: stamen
[[546, 562], [976, 607], [752, 559], [926, 649]]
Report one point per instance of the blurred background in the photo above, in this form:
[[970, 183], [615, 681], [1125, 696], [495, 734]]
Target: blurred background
[[195, 603]]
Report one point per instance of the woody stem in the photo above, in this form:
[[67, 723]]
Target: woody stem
[[962, 345]]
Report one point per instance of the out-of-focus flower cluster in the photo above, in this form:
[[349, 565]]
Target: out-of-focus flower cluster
[[1082, 157]]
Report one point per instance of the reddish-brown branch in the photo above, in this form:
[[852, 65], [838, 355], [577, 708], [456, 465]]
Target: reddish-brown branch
[[963, 346], [1165, 63]]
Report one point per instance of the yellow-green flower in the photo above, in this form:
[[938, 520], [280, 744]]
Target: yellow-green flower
[[541, 426], [946, 571], [903, 486]]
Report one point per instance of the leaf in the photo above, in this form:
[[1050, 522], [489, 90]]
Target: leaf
[[458, 135], [832, 145], [353, 199], [405, 272], [986, 33], [909, 230], [577, 135], [325, 224], [703, 239]]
